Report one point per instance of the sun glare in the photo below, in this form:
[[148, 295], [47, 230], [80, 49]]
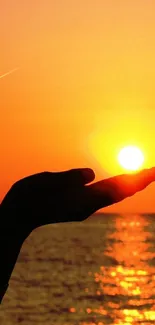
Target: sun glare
[[131, 158]]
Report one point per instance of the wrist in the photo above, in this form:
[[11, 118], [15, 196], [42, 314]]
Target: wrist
[[10, 245], [9, 251], [12, 225], [3, 289]]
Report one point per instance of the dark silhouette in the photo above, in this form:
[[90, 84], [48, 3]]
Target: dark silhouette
[[47, 198]]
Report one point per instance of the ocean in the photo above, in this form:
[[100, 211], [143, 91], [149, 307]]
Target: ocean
[[96, 272]]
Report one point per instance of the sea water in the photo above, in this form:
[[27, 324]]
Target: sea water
[[97, 272]]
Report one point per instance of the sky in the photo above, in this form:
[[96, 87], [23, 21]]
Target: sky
[[83, 90]]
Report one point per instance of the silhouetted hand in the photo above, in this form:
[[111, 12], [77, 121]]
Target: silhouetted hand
[[47, 197]]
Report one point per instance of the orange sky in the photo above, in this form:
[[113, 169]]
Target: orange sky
[[84, 88]]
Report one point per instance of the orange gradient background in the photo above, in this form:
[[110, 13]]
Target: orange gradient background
[[84, 88]]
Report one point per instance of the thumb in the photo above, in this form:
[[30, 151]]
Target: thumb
[[44, 180], [79, 176]]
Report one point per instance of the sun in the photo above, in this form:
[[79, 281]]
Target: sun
[[131, 158]]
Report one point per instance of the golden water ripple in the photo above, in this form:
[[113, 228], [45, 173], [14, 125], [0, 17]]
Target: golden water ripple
[[130, 282]]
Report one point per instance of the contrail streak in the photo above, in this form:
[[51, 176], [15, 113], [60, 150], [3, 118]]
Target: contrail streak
[[9, 72]]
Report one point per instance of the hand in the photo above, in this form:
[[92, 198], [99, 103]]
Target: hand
[[47, 197]]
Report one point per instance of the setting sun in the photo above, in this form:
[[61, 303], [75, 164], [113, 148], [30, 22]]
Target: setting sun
[[131, 158]]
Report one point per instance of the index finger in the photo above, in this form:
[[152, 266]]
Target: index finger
[[117, 188]]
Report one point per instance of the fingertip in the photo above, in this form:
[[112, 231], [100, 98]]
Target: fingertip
[[152, 170], [88, 174], [145, 177], [151, 173]]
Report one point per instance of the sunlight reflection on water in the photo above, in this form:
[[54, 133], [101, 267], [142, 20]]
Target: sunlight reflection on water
[[130, 284]]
